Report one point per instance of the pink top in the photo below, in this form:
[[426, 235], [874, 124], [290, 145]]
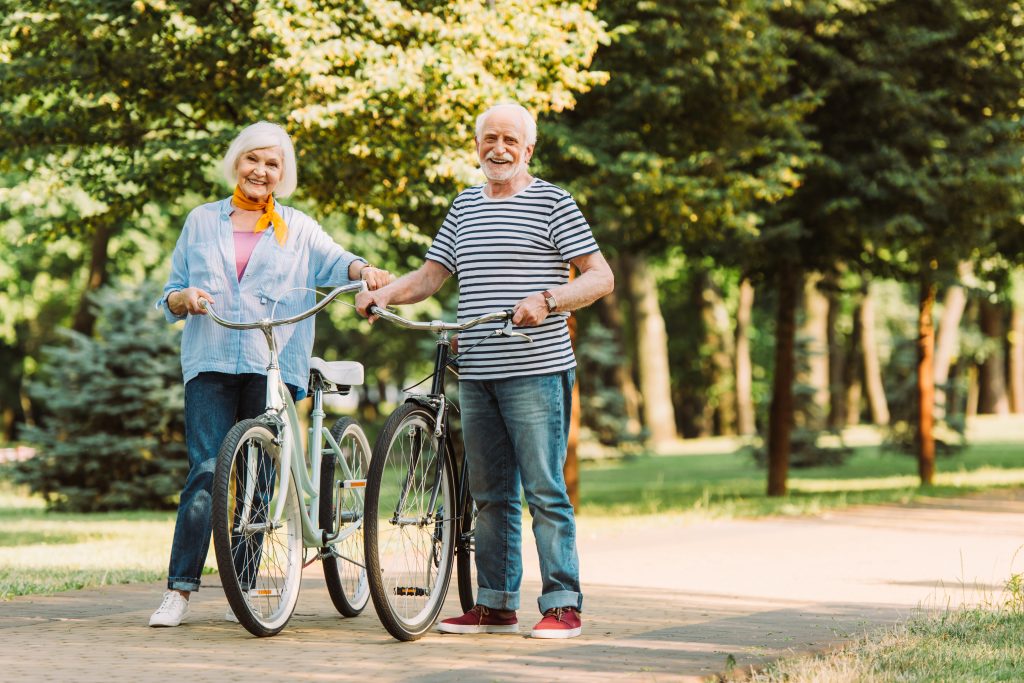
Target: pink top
[[245, 242]]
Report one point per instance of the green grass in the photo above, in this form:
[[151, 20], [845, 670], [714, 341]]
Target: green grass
[[42, 552], [731, 485], [969, 644]]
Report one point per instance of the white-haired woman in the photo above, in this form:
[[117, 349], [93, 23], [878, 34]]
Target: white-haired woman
[[251, 257]]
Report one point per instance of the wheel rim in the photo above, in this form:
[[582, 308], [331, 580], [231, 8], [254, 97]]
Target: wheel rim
[[414, 551], [351, 557], [266, 556]]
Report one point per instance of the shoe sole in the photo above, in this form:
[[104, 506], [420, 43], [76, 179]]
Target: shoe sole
[[553, 634], [474, 628]]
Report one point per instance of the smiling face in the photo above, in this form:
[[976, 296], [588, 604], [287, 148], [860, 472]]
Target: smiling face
[[259, 171], [501, 147]]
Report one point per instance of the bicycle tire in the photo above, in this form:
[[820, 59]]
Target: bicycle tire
[[464, 559], [344, 563], [260, 567], [410, 543]]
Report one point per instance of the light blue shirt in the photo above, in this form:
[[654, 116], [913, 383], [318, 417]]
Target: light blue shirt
[[204, 257]]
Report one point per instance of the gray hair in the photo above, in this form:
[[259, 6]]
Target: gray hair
[[529, 125], [260, 136]]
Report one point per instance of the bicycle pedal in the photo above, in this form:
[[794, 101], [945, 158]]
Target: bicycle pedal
[[410, 591]]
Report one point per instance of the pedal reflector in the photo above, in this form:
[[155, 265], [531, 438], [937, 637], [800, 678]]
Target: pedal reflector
[[410, 591], [354, 484]]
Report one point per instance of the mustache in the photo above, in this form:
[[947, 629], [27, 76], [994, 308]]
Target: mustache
[[493, 156]]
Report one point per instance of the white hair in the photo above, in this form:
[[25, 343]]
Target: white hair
[[529, 125], [260, 136]]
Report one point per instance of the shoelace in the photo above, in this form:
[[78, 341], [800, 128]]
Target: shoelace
[[557, 612], [166, 604], [481, 612]]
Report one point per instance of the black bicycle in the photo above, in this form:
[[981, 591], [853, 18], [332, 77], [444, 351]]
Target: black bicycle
[[419, 515]]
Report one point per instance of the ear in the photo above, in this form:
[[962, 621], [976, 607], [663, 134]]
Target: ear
[[528, 154]]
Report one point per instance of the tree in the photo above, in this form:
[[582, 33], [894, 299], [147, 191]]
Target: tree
[[115, 112], [111, 434], [688, 139], [920, 149]]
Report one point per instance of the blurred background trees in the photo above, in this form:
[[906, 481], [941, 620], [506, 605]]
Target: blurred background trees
[[814, 208]]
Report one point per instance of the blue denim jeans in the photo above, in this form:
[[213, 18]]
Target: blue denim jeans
[[516, 430], [214, 402]]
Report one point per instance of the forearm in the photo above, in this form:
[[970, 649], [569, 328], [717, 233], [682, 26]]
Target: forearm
[[417, 285], [594, 281]]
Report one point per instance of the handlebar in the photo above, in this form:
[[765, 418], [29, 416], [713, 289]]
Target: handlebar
[[267, 324], [438, 326]]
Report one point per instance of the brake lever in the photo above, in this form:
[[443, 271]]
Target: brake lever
[[508, 332]]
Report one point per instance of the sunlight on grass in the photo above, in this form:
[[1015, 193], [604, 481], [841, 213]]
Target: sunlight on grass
[[43, 552], [726, 485]]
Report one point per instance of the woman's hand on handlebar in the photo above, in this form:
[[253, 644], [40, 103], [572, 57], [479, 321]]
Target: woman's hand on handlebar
[[375, 278], [189, 300]]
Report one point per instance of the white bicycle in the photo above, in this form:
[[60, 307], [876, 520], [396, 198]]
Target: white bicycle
[[272, 504]]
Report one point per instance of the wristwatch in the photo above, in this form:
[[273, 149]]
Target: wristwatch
[[550, 300]]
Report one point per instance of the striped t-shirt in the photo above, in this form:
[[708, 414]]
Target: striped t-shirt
[[503, 250]]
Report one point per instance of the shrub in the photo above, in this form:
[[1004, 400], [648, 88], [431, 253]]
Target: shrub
[[110, 433]]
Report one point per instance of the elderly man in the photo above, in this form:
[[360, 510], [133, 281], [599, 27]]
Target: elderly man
[[510, 242]]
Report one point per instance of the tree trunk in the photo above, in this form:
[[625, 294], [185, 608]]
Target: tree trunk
[[780, 420], [992, 399], [85, 319], [926, 381], [872, 366], [719, 339], [837, 412], [947, 344], [621, 376], [652, 354], [571, 470], [814, 371], [853, 369], [1016, 360], [747, 424]]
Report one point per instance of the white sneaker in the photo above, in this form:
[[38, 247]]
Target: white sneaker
[[172, 610]]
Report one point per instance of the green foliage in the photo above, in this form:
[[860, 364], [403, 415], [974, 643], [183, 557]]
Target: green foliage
[[694, 131], [603, 410], [111, 433], [114, 114]]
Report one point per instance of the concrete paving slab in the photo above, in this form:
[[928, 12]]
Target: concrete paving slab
[[667, 599]]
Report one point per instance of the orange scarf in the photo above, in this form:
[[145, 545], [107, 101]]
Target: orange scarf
[[269, 217]]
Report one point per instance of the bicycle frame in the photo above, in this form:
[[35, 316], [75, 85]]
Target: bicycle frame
[[436, 399], [282, 418]]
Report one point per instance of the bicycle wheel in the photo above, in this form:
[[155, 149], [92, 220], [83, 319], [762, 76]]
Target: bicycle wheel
[[464, 560], [410, 523], [259, 557], [342, 485]]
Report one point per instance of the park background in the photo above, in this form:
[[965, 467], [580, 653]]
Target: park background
[[814, 210]]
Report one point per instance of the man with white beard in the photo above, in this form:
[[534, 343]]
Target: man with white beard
[[510, 242]]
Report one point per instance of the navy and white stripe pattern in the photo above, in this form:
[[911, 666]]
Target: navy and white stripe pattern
[[503, 250]]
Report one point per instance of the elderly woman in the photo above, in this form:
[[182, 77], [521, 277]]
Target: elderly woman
[[252, 258]]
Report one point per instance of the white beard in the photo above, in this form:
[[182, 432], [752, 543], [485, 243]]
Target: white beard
[[502, 174]]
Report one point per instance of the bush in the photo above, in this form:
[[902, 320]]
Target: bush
[[110, 435]]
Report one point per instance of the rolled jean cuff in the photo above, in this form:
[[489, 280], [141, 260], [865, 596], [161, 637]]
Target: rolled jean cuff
[[178, 584], [560, 599], [493, 599]]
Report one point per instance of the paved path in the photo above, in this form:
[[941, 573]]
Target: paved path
[[667, 599]]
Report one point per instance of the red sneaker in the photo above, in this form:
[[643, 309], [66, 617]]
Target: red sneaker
[[482, 619], [559, 622]]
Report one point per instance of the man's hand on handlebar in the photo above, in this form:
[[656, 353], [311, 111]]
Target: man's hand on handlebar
[[530, 311], [365, 299]]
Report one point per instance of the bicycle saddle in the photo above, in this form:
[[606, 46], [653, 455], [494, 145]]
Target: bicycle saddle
[[347, 373]]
